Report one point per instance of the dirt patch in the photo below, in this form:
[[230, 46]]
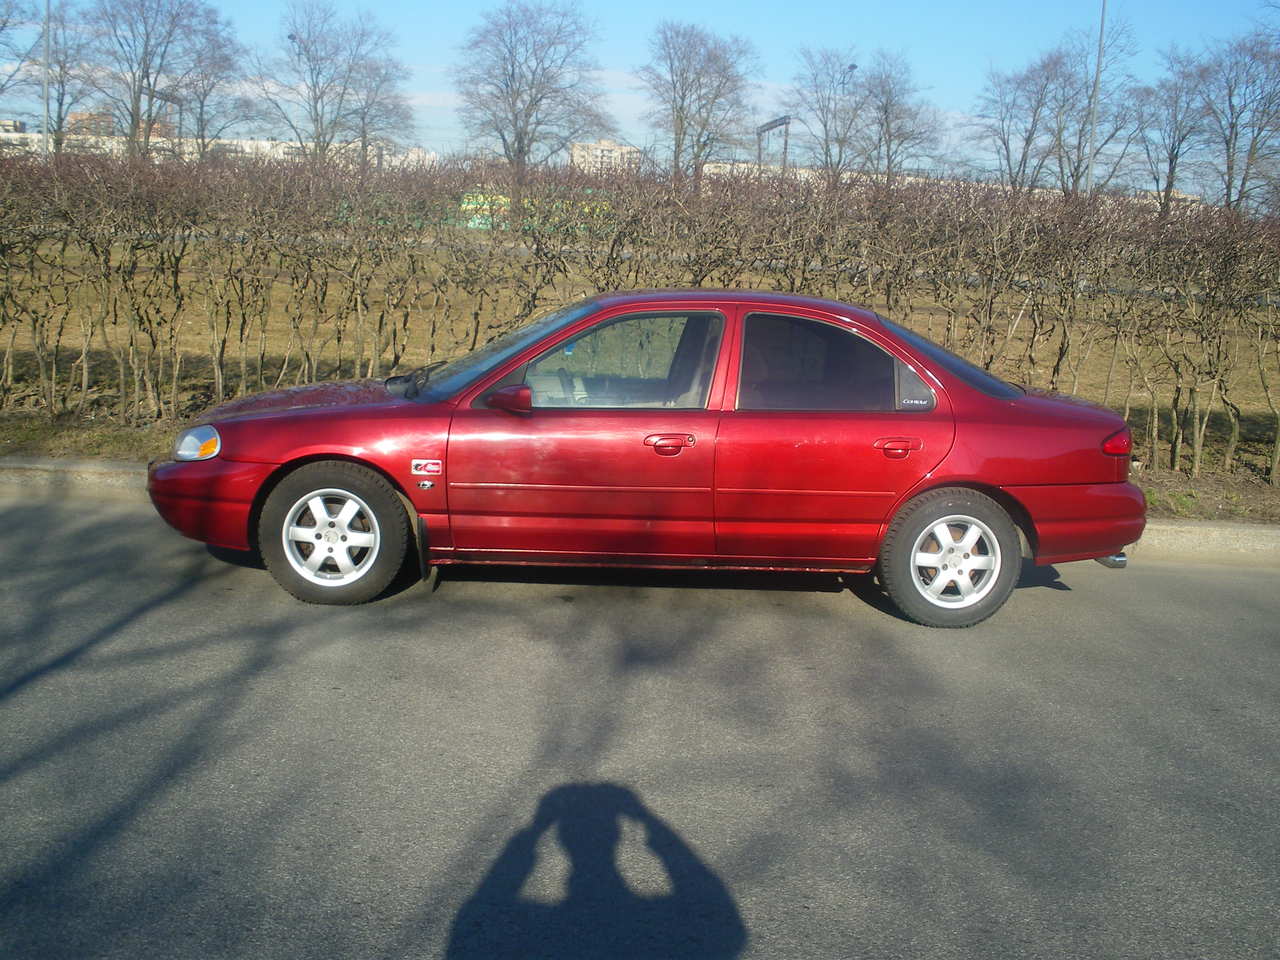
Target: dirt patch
[[1211, 497]]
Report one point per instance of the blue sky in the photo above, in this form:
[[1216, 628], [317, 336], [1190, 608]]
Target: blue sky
[[950, 45]]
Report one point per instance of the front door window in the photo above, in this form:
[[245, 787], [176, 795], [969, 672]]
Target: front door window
[[635, 362]]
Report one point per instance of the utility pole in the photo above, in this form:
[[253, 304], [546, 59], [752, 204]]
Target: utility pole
[[1093, 102], [786, 142], [45, 126], [168, 96], [785, 123]]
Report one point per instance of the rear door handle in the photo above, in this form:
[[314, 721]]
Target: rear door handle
[[669, 444], [897, 448]]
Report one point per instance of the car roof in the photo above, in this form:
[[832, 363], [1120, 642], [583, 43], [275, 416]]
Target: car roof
[[754, 297]]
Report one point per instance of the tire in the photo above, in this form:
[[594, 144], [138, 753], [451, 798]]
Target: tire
[[363, 533], [977, 556]]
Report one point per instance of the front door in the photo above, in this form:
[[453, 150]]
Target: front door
[[828, 432], [614, 462]]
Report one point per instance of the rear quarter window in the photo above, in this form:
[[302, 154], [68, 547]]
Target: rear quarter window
[[957, 366]]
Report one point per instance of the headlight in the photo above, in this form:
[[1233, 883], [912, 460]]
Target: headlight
[[198, 443]]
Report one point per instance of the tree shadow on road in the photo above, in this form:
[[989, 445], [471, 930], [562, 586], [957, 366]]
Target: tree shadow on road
[[598, 914]]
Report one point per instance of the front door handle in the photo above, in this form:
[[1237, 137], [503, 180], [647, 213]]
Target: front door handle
[[669, 444], [897, 448]]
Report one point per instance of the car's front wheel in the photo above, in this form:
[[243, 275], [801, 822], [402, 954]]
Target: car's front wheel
[[333, 532], [951, 558]]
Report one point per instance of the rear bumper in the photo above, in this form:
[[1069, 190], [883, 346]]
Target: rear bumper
[[1081, 521], [208, 500]]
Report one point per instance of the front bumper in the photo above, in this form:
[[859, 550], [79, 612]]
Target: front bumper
[[208, 500]]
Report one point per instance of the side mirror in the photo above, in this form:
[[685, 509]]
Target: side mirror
[[517, 398]]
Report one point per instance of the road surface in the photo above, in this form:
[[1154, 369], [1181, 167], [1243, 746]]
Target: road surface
[[573, 764]]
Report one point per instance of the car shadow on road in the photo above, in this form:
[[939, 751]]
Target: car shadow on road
[[409, 575], [864, 586], [1033, 576], [595, 912], [867, 588], [245, 559], [640, 577]]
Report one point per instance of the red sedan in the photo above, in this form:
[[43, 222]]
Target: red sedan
[[708, 429]]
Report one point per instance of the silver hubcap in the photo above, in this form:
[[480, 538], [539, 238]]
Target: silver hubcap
[[331, 537], [955, 562]]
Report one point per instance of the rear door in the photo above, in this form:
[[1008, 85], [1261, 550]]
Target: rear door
[[828, 429], [614, 462]]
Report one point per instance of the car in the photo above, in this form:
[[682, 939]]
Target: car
[[731, 430]]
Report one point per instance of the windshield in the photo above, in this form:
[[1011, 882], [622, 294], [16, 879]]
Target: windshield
[[957, 366], [437, 381]]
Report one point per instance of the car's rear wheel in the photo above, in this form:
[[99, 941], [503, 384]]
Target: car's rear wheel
[[333, 532], [951, 558]]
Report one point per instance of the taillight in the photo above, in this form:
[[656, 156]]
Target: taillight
[[1119, 444]]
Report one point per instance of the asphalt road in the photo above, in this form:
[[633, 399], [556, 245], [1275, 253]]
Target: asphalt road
[[576, 765]]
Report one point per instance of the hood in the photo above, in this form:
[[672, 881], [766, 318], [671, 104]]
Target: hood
[[337, 393]]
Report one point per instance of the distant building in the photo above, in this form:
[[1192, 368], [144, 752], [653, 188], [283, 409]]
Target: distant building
[[413, 157], [12, 126], [749, 168], [604, 156], [166, 120], [1176, 197], [91, 124]]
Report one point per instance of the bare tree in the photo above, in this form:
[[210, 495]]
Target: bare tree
[[826, 98], [528, 82], [1091, 125], [16, 48], [145, 52], [212, 93], [1171, 116], [899, 127], [312, 89], [698, 83], [380, 112], [70, 82], [1240, 94], [1013, 121]]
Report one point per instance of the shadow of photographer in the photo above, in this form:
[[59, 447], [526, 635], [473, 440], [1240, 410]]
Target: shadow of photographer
[[599, 914]]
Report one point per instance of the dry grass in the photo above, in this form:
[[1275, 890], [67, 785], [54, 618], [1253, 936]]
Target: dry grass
[[36, 435]]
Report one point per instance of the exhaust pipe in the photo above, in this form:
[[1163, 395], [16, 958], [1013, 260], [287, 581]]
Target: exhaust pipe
[[1117, 561]]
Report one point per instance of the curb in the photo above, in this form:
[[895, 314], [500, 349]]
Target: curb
[[55, 476], [1208, 541], [1183, 541]]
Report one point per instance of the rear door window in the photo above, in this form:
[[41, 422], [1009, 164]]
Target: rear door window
[[794, 363]]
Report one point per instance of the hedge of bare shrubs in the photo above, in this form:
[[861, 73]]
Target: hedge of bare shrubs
[[146, 291]]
